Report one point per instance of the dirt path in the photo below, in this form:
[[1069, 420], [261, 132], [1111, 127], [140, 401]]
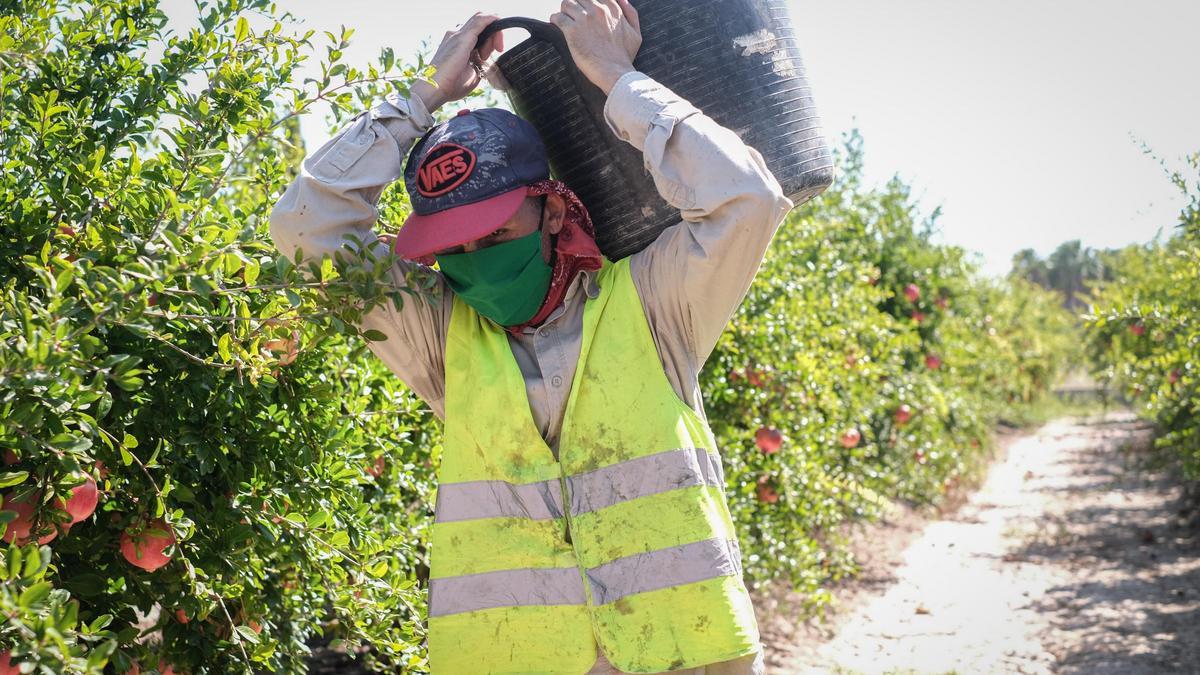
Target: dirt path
[[1069, 559]]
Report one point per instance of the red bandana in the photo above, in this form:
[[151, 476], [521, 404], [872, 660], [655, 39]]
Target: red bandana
[[575, 249]]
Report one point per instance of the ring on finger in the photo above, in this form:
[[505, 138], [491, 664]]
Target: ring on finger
[[477, 65]]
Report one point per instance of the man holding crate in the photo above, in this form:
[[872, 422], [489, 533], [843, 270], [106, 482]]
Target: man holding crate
[[581, 524]]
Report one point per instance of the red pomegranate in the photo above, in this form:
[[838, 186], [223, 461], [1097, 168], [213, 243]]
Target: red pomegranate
[[82, 502], [1138, 329], [10, 457], [933, 361], [850, 438], [7, 667], [918, 316], [766, 492], [1174, 376], [288, 348], [912, 292], [768, 439], [903, 414], [145, 550], [181, 616], [942, 302], [18, 531], [377, 467]]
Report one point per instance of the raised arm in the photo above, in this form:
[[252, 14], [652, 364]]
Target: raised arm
[[695, 274], [337, 193]]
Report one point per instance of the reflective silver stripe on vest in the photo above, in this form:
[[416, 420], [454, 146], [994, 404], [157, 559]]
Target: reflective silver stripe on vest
[[643, 476], [506, 588], [498, 499], [664, 568]]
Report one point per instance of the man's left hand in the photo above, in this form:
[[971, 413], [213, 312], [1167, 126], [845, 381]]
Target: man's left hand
[[604, 36]]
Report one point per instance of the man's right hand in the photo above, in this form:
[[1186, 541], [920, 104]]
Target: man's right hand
[[456, 76]]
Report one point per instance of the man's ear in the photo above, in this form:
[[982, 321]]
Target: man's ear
[[554, 213]]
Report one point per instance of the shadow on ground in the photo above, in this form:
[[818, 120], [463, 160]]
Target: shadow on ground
[[1131, 532]]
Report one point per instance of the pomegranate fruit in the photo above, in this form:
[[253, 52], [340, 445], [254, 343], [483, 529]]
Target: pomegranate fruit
[[82, 503], [766, 492], [850, 438], [768, 439], [7, 667], [145, 550], [903, 414], [377, 467], [287, 349], [19, 529], [933, 361], [912, 292]]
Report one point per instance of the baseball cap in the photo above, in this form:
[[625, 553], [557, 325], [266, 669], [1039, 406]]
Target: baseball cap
[[466, 177]]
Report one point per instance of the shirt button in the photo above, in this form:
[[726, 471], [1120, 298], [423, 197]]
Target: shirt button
[[556, 381]]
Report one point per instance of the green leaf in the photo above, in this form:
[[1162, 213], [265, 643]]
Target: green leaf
[[35, 594], [100, 622], [374, 335], [64, 279], [318, 519], [12, 478], [223, 347], [250, 272], [247, 633], [241, 30]]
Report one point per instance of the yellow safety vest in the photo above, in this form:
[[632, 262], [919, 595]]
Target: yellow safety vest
[[625, 540]]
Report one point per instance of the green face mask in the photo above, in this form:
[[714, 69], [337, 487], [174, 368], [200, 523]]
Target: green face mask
[[507, 282]]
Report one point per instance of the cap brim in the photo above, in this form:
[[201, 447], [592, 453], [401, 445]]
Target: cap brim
[[423, 235]]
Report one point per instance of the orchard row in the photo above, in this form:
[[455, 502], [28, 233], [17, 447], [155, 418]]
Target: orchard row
[[205, 467], [1144, 327]]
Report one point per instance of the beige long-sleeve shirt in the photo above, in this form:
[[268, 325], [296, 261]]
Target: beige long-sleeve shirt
[[691, 279]]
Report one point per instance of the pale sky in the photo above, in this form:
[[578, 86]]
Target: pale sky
[[1021, 118]]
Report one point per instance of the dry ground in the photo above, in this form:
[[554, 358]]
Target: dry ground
[[1072, 557]]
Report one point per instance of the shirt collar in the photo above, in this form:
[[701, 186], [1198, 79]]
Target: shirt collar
[[586, 279]]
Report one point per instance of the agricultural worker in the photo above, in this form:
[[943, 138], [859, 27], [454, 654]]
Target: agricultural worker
[[581, 523]]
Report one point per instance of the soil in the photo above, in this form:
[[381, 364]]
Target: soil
[[1078, 554]]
